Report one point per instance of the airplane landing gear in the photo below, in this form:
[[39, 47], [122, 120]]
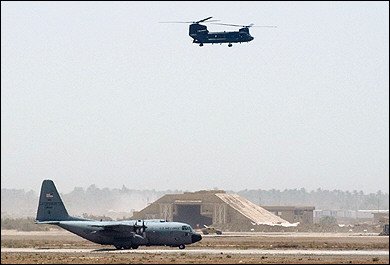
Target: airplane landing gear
[[201, 44], [230, 45], [126, 247], [182, 247]]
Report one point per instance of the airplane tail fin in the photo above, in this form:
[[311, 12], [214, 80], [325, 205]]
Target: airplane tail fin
[[51, 207]]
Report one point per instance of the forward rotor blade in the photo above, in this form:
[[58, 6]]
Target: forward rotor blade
[[176, 22], [189, 22], [202, 20]]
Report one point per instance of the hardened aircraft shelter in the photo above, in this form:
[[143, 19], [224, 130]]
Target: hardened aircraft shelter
[[214, 207]]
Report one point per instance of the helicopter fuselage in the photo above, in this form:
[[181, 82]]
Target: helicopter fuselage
[[201, 35]]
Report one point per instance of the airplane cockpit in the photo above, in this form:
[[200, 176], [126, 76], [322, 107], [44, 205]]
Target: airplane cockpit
[[186, 228]]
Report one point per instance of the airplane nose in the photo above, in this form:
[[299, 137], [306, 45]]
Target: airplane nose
[[196, 238]]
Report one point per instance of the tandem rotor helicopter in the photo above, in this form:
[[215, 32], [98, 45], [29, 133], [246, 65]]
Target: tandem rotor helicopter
[[201, 35]]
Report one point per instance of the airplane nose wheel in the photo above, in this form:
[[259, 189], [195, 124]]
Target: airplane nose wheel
[[201, 44], [230, 45]]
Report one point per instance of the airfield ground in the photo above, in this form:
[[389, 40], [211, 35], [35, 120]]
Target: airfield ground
[[63, 247]]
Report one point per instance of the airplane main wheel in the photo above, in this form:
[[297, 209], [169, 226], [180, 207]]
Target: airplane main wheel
[[118, 247], [182, 246], [230, 45], [134, 246], [201, 44]]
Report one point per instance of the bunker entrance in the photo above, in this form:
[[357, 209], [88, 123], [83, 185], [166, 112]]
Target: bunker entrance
[[190, 214]]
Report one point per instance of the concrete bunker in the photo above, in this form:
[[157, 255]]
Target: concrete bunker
[[190, 214], [214, 207]]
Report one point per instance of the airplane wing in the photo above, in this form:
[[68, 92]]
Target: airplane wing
[[125, 230], [116, 227]]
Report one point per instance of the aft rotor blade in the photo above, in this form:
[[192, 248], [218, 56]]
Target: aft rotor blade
[[264, 26], [244, 26], [233, 25]]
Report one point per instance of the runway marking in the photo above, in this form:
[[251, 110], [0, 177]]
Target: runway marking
[[204, 251]]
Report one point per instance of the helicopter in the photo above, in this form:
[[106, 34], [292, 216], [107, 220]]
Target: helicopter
[[202, 35]]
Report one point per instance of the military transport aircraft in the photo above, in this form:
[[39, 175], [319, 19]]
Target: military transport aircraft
[[201, 34], [122, 234]]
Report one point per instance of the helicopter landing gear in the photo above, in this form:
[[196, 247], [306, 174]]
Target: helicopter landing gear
[[230, 45], [201, 44]]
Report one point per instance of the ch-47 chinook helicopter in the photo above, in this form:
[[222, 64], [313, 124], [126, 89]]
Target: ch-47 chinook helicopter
[[201, 35]]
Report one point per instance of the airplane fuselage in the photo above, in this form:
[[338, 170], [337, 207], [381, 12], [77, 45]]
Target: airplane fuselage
[[156, 233]]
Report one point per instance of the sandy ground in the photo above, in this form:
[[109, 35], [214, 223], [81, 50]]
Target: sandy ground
[[228, 248]]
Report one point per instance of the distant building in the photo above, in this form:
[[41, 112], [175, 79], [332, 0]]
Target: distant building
[[293, 214], [380, 218], [374, 216]]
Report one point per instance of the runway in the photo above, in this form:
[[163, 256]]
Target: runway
[[205, 251]]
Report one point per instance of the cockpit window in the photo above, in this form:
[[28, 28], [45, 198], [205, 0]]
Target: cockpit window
[[186, 228]]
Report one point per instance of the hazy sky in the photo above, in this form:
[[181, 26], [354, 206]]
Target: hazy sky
[[102, 93]]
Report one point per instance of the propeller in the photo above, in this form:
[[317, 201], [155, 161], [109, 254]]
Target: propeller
[[143, 227], [244, 26], [193, 22]]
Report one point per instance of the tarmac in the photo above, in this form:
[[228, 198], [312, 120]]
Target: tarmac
[[203, 251]]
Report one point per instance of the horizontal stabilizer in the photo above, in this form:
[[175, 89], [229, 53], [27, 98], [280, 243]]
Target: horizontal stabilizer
[[48, 222]]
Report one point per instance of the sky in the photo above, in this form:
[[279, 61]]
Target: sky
[[102, 93]]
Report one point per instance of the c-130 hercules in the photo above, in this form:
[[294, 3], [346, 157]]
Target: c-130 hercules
[[122, 234]]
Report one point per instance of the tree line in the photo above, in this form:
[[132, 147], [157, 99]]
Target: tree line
[[320, 199], [103, 201]]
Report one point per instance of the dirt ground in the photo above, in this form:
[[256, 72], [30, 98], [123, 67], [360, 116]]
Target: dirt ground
[[26, 258], [281, 241]]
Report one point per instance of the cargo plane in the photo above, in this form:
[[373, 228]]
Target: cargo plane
[[121, 234]]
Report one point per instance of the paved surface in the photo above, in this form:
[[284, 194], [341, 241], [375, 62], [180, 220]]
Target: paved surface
[[203, 251]]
